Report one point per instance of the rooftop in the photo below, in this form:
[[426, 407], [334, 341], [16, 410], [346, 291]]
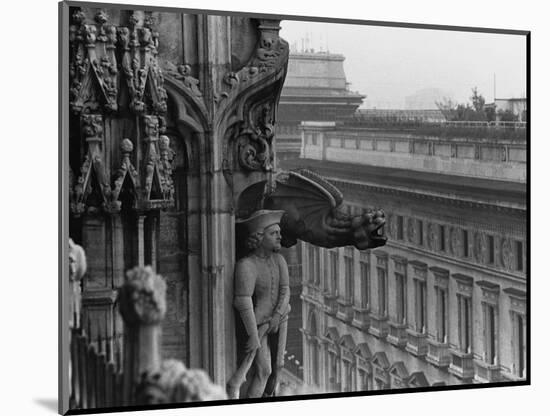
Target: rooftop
[[470, 189]]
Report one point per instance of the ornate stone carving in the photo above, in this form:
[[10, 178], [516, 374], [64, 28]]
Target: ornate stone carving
[[247, 100], [432, 236], [93, 65], [127, 172], [142, 297], [140, 68], [272, 51], [254, 143], [182, 73], [480, 247], [412, 233], [506, 253], [92, 181], [174, 383], [454, 241], [158, 186]]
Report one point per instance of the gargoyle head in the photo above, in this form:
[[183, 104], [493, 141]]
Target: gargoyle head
[[368, 230]]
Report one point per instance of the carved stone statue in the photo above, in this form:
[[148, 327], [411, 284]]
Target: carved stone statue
[[261, 298]]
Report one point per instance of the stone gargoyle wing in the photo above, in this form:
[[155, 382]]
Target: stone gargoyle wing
[[314, 213]]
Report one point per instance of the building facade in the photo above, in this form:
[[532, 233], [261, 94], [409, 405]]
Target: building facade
[[444, 302], [315, 89]]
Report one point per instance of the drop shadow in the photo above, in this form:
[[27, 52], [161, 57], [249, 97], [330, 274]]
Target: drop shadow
[[49, 404]]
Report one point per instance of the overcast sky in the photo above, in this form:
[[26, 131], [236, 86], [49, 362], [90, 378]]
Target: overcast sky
[[387, 64]]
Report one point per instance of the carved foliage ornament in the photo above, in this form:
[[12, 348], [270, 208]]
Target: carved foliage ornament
[[182, 73], [254, 144], [265, 71]]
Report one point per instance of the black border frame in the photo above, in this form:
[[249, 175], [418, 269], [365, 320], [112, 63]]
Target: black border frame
[[63, 212]]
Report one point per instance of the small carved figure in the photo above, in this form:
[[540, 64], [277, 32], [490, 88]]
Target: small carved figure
[[262, 300]]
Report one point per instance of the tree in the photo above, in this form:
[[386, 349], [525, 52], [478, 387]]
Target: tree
[[478, 101], [474, 111], [447, 108]]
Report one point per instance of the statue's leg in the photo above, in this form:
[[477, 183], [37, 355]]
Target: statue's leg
[[278, 361], [262, 365]]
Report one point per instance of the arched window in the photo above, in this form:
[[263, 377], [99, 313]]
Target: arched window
[[313, 347]]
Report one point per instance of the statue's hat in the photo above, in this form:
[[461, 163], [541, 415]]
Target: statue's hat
[[261, 219]]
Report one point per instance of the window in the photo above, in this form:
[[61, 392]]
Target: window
[[333, 271], [441, 314], [314, 362], [400, 227], [348, 266], [346, 376], [491, 247], [313, 257], [365, 282], [465, 323], [363, 381], [465, 243], [490, 333], [382, 290], [442, 237], [519, 256], [518, 323], [420, 232], [401, 298], [420, 306], [332, 371]]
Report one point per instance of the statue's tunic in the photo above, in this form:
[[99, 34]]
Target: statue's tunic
[[266, 281]]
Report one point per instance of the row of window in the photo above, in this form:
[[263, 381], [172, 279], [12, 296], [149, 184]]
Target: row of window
[[334, 368], [375, 297], [463, 243]]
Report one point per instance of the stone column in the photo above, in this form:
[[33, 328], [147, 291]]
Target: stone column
[[142, 300]]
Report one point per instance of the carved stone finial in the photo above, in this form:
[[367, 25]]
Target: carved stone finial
[[151, 124], [78, 17], [174, 383], [133, 20], [126, 146], [149, 21], [101, 17], [142, 297], [77, 261], [92, 126], [164, 143]]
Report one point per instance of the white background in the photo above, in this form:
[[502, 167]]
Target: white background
[[29, 206]]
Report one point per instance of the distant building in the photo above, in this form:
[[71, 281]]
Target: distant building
[[516, 106], [315, 89], [398, 116], [444, 302]]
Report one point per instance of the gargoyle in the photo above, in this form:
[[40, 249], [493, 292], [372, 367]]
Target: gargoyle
[[314, 214]]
